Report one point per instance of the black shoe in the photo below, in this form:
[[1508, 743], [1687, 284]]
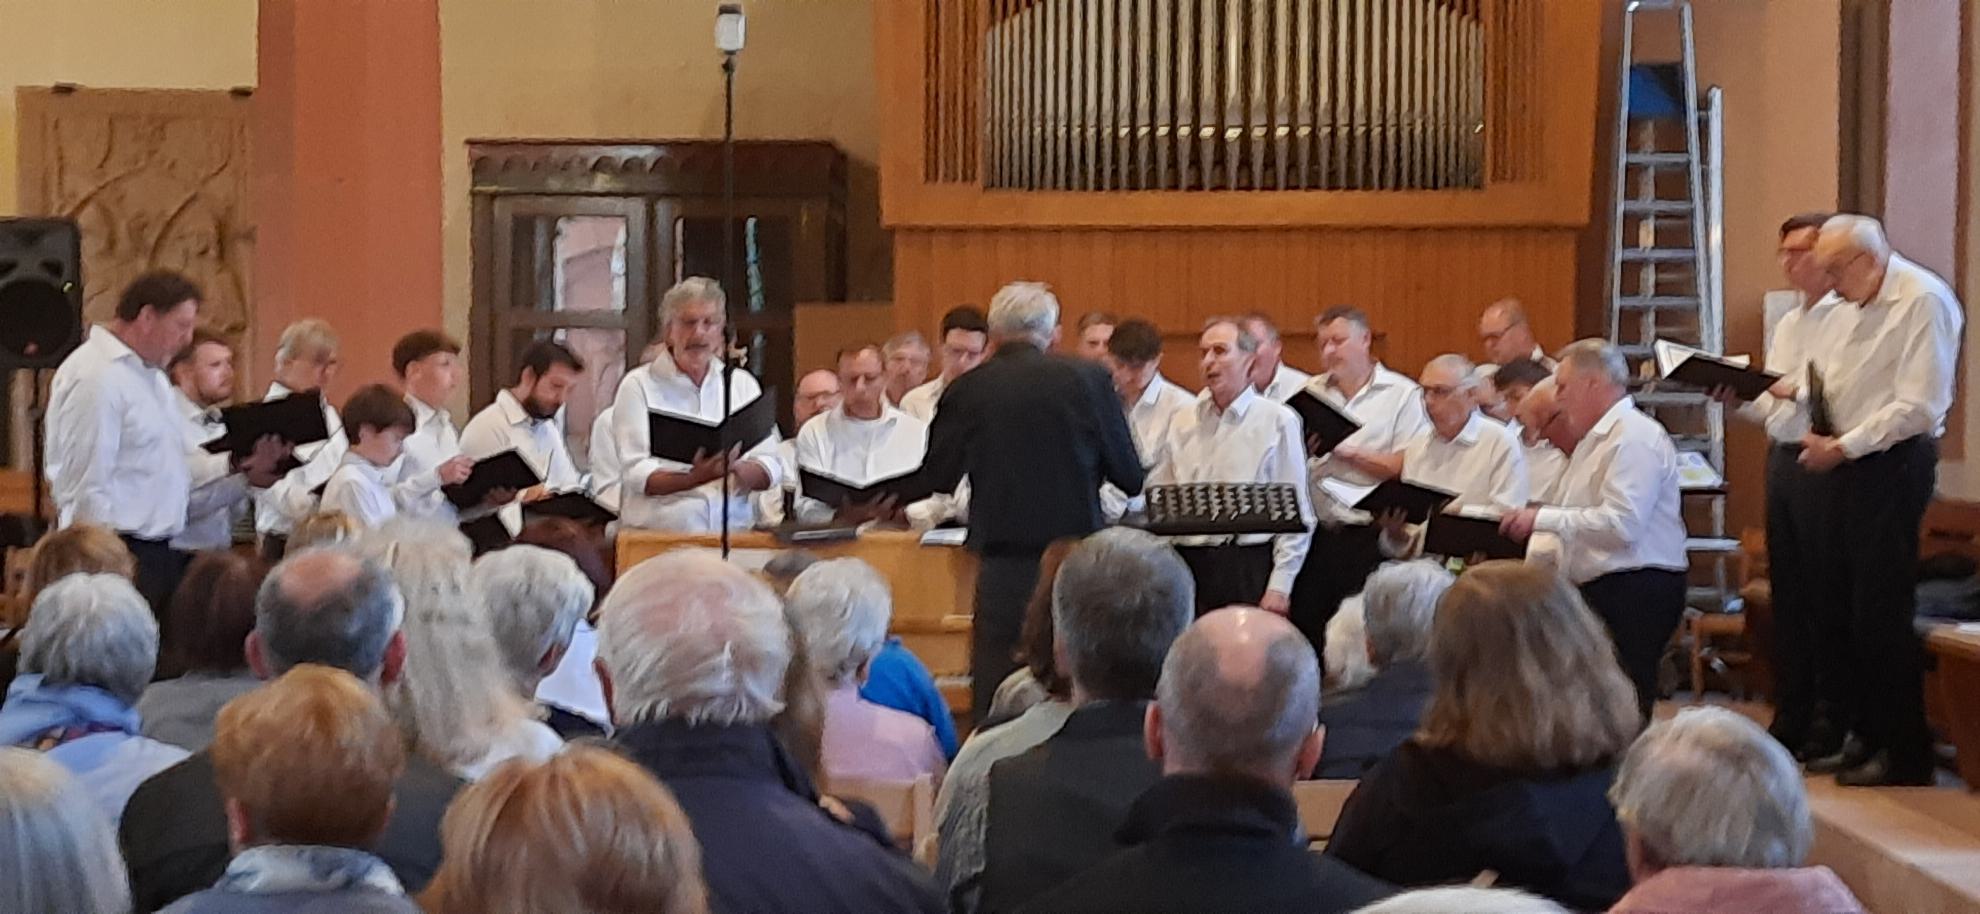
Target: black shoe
[[1881, 771], [1822, 741], [1852, 754]]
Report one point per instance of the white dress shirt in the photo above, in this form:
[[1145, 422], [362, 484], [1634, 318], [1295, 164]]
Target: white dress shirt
[[920, 401], [770, 502], [1889, 372], [1286, 381], [1484, 465], [1619, 504], [858, 451], [415, 478], [1147, 419], [219, 496], [1256, 440], [506, 426], [1798, 337], [603, 457], [1545, 465], [1390, 410], [362, 490], [115, 448], [660, 385], [280, 507]]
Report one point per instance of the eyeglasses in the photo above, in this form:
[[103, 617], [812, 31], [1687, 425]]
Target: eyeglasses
[[1440, 390]]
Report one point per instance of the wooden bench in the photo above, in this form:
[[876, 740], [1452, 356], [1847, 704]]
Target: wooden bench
[[1906, 850], [907, 808], [1319, 804]]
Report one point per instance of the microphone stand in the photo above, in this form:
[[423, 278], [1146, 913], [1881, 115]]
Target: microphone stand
[[728, 271]]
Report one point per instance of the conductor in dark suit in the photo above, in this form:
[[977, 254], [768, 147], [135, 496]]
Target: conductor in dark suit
[[1037, 434]]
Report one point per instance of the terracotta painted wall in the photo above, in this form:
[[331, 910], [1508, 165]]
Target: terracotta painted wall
[[120, 44], [613, 68]]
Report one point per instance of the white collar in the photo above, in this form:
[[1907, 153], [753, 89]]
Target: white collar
[[664, 368], [192, 409], [1613, 416], [889, 414], [1239, 407], [423, 414], [1466, 436], [512, 410], [117, 349], [1378, 377], [1153, 392]]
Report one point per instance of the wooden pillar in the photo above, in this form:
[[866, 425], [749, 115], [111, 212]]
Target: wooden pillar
[[347, 177]]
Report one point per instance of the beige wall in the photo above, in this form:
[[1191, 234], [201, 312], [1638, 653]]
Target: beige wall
[[621, 69], [118, 44]]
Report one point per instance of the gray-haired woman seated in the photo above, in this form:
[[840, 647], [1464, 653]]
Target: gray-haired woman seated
[[58, 854], [1716, 821]]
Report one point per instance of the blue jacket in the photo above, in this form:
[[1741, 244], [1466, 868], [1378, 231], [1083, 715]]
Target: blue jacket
[[897, 679]]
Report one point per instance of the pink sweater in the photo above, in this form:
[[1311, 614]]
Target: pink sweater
[[867, 741], [1722, 890]]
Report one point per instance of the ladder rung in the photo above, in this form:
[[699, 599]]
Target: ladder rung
[[1659, 302], [1634, 351], [1699, 443], [1671, 398], [1657, 207], [1659, 255], [1658, 159], [1711, 544]]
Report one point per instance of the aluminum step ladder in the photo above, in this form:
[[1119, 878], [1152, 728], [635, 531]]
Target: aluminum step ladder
[[1666, 248]]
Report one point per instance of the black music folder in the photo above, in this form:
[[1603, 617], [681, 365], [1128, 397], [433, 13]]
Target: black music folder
[[1702, 370], [1322, 420], [907, 488], [507, 470], [677, 438], [1460, 536], [296, 419], [574, 504], [1418, 502], [1820, 420]]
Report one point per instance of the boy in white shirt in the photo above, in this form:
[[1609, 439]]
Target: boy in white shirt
[[376, 422]]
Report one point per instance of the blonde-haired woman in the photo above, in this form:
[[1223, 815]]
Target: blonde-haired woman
[[1511, 768], [587, 832], [455, 701], [75, 549], [58, 852]]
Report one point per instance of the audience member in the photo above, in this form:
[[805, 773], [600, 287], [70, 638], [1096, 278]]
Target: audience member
[[1716, 822], [204, 649], [586, 831], [1023, 688], [324, 528], [535, 598], [87, 652], [1466, 900], [692, 652], [841, 608], [1233, 727], [1121, 599], [965, 795], [58, 854], [1399, 603], [896, 678], [323, 606], [75, 549], [1511, 769], [305, 850], [1344, 659], [573, 686], [456, 702]]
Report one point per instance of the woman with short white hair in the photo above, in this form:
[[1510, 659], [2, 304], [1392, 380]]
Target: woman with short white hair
[[535, 599], [1392, 641], [455, 702], [1464, 899], [58, 853], [87, 654], [841, 608], [1715, 821]]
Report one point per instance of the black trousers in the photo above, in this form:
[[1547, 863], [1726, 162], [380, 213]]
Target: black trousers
[[1338, 563], [1880, 502], [1810, 614], [1004, 581], [1228, 574], [1641, 608], [159, 568]]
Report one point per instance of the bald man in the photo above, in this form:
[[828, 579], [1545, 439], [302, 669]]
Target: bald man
[[1506, 335], [1887, 368], [1462, 451], [817, 392], [1233, 725]]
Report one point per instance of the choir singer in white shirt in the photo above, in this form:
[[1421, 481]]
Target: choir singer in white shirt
[[1271, 376], [306, 359], [428, 364], [203, 377], [687, 380], [1134, 358], [1888, 369], [115, 449], [861, 440], [817, 392], [1233, 434], [528, 418], [1462, 452], [965, 340], [1618, 516]]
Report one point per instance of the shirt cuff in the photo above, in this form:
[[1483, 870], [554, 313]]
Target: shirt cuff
[[1282, 580], [1551, 520], [1857, 443]]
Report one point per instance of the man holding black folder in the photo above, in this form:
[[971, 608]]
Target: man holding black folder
[[1037, 433], [1888, 371], [1462, 452], [115, 448], [203, 377], [306, 359], [683, 493], [861, 440]]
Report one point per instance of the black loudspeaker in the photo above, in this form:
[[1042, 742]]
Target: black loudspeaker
[[40, 291]]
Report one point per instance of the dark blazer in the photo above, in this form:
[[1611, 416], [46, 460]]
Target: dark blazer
[[1055, 809], [1037, 433], [1366, 724], [1205, 845], [1430, 816], [174, 830], [766, 844]]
